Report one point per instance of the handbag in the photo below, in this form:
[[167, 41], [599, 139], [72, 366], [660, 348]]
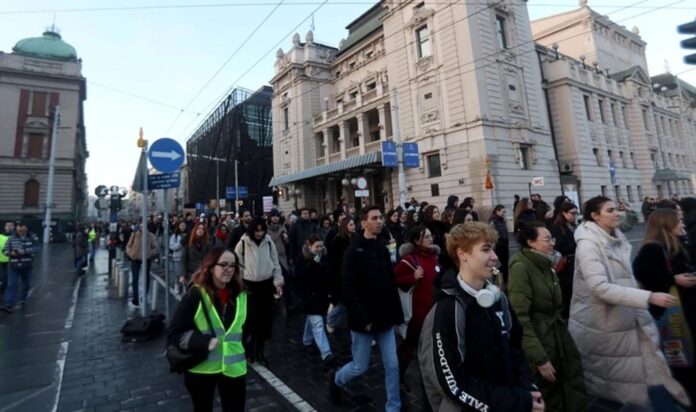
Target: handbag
[[406, 299], [675, 337], [561, 265], [181, 360]]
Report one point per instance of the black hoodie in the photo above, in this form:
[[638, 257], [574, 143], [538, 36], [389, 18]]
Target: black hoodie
[[472, 357]]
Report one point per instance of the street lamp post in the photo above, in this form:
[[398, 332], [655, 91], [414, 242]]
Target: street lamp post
[[51, 173]]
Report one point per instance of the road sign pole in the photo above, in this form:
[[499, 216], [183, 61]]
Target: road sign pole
[[51, 172], [399, 147], [166, 254], [144, 238]]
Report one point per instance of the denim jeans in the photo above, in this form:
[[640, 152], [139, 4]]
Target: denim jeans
[[362, 348], [336, 315], [135, 276], [92, 250], [314, 331], [13, 277]]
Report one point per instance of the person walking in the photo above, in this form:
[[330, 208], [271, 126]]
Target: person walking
[[299, 233], [93, 240], [417, 269], [374, 309], [217, 286], [134, 252], [524, 213], [563, 230], [263, 279], [470, 350], [81, 246], [8, 230], [245, 218], [313, 282], [609, 318], [19, 248], [337, 250], [535, 295], [176, 246], [279, 235], [193, 252], [661, 265], [502, 246], [221, 235]]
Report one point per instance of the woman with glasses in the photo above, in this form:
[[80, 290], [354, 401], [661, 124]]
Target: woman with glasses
[[217, 285], [563, 230], [417, 269], [609, 318], [263, 278], [535, 295], [663, 265]]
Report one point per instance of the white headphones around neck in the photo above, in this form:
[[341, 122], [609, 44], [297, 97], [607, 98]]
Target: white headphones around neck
[[485, 297]]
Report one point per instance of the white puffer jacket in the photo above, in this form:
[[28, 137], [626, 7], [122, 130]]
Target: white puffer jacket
[[611, 325], [259, 262]]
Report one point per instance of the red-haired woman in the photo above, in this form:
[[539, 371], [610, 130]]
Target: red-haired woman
[[193, 253], [218, 285]]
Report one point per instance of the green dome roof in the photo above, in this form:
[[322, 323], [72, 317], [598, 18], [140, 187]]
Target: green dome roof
[[48, 46]]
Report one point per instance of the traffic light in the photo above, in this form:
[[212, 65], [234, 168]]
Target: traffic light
[[688, 28]]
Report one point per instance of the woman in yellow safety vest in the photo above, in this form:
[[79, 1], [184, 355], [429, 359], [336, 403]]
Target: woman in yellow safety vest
[[218, 285]]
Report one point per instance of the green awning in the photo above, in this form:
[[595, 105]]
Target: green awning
[[357, 161], [669, 175]]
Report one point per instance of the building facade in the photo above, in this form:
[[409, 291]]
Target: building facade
[[462, 83], [238, 130], [617, 130], [39, 75]]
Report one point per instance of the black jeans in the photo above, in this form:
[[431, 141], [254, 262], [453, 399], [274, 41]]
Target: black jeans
[[135, 269], [201, 387]]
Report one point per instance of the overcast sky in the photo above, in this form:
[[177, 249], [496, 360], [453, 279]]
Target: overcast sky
[[146, 64]]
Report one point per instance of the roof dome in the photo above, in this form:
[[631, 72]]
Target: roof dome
[[48, 46]]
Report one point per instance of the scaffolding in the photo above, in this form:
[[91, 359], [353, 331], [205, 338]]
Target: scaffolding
[[238, 129]]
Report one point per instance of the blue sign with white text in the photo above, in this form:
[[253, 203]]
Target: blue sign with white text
[[411, 158], [164, 181], [200, 207], [230, 192], [166, 155], [389, 156]]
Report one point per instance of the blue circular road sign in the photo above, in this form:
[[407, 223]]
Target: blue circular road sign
[[166, 155]]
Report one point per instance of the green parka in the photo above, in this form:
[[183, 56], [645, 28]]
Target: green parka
[[535, 295]]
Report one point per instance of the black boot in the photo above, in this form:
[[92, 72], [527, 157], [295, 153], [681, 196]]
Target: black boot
[[260, 356]]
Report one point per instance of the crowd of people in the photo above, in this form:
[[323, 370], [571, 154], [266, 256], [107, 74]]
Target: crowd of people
[[569, 317]]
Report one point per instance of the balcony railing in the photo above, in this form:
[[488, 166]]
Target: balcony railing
[[372, 146], [353, 151], [369, 96], [348, 106], [335, 157]]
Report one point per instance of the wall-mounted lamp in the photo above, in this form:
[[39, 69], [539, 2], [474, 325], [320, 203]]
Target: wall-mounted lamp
[[582, 59], [555, 49], [345, 182]]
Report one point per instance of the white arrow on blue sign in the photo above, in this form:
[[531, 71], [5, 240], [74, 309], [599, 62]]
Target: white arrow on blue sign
[[166, 155]]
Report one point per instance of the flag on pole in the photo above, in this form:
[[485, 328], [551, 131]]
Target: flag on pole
[[142, 168]]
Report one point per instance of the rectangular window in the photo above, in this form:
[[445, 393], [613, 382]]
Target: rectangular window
[[625, 116], [35, 146], [604, 190], [523, 152], [617, 191], [623, 160], [435, 190], [633, 160], [646, 123], [38, 104], [629, 193], [423, 46], [639, 189], [664, 127], [595, 152], [653, 158], [588, 107], [601, 111], [428, 96], [286, 119], [613, 114], [500, 32], [434, 169], [610, 159]]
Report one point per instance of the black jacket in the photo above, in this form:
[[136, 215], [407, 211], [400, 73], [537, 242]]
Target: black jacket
[[313, 282], [182, 329], [525, 217], [500, 226], [368, 286], [473, 355], [235, 236], [337, 249], [299, 232]]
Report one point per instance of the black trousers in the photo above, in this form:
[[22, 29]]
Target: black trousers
[[201, 387]]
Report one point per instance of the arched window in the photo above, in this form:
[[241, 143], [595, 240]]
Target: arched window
[[31, 193]]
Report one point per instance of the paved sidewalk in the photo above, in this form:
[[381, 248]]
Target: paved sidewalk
[[64, 351]]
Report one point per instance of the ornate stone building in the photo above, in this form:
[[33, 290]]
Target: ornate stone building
[[608, 114], [468, 92], [40, 74]]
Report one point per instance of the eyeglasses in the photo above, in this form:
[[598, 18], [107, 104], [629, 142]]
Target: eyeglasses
[[549, 240], [226, 265]]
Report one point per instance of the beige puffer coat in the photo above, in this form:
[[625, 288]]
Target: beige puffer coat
[[610, 322]]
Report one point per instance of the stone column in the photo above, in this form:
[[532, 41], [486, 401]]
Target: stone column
[[382, 122], [362, 129], [342, 135], [327, 148]]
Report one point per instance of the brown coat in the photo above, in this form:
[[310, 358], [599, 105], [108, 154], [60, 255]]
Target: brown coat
[[133, 248]]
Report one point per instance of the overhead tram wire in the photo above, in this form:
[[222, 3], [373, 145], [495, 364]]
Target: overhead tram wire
[[266, 3], [136, 96], [207, 83], [271, 50], [533, 42]]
